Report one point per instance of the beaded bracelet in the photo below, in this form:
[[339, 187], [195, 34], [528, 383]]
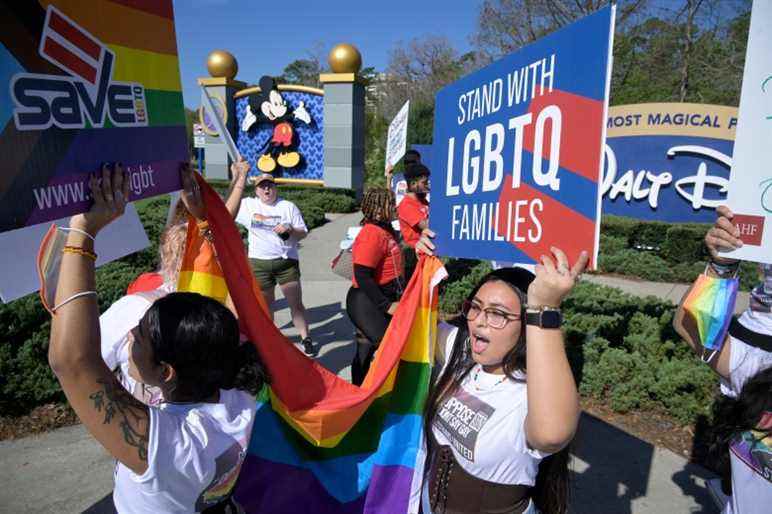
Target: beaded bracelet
[[80, 251]]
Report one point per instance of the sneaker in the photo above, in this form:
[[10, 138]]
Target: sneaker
[[308, 346]]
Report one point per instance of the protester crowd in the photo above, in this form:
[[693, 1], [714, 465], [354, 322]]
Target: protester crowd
[[160, 396]]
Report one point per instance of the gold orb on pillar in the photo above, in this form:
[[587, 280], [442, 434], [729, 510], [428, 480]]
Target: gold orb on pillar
[[221, 63], [345, 58]]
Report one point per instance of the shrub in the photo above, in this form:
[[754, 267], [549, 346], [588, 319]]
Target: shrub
[[657, 251], [458, 286]]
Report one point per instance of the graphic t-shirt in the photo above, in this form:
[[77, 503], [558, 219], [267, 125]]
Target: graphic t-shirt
[[411, 212], [376, 248], [194, 454], [483, 422], [260, 219], [750, 454]]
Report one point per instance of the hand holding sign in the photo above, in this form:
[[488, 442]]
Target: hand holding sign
[[723, 237], [110, 193], [554, 278]]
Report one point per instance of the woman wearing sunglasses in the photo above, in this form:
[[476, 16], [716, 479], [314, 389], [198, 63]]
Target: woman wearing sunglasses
[[504, 408]]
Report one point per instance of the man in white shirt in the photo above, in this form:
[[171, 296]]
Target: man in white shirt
[[275, 226]]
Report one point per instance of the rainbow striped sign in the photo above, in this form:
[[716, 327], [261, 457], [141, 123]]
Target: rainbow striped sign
[[83, 83]]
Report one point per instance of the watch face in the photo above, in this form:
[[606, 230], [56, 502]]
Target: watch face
[[550, 319]]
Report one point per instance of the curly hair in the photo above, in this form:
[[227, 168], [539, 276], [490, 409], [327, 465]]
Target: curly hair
[[377, 206]]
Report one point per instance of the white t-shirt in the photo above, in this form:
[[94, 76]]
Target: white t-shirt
[[751, 461], [260, 219], [484, 424], [115, 324], [194, 455]]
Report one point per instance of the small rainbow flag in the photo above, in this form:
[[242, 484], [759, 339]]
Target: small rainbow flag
[[319, 443], [711, 304]]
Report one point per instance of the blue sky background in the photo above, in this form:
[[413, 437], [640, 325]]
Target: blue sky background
[[265, 36]]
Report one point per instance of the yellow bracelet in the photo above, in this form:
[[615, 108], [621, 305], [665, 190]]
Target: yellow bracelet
[[80, 251]]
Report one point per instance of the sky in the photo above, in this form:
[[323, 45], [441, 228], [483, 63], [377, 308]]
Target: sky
[[265, 36]]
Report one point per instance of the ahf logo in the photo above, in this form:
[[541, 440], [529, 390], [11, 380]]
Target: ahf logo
[[751, 228], [84, 97]]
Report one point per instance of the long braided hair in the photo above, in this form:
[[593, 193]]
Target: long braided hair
[[378, 207]]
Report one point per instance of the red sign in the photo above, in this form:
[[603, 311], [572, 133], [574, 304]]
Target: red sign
[[751, 228]]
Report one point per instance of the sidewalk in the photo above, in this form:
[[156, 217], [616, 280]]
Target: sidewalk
[[613, 472]]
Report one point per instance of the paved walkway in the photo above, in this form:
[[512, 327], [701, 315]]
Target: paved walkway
[[66, 471]]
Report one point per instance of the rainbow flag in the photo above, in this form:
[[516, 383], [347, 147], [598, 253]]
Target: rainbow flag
[[710, 303], [113, 67], [319, 443]]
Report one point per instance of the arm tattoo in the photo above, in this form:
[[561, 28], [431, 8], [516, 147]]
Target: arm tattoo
[[132, 417]]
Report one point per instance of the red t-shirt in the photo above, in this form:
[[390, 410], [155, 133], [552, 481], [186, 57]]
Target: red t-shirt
[[376, 248], [411, 212], [145, 282]]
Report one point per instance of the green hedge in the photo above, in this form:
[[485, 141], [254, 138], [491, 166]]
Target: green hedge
[[658, 251], [25, 378]]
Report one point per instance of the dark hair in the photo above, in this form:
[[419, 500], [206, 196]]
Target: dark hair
[[378, 206], [411, 157], [199, 338], [733, 416], [550, 493]]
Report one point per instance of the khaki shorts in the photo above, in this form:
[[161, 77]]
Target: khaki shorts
[[270, 271]]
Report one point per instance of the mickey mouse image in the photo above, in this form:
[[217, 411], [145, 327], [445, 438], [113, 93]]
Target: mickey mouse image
[[269, 106]]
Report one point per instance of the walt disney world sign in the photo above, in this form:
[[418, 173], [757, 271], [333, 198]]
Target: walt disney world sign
[[667, 161]]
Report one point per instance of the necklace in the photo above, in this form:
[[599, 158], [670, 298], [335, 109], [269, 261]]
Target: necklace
[[476, 385]]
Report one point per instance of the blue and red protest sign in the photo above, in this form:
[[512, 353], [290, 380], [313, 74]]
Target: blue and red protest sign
[[518, 149]]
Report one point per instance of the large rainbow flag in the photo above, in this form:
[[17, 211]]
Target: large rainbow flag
[[319, 443], [110, 73]]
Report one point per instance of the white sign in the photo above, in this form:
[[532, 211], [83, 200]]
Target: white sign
[[199, 141], [750, 182], [396, 143], [18, 260]]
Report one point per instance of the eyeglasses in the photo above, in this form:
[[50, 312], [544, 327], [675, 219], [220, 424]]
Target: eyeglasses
[[494, 318]]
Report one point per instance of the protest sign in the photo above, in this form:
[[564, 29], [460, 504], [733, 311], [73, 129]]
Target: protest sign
[[518, 149], [396, 141], [18, 271], [84, 83], [667, 161], [750, 181]]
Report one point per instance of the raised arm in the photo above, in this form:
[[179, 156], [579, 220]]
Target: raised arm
[[115, 418], [239, 170], [722, 236], [553, 402]]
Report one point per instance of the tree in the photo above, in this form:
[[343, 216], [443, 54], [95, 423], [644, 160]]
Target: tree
[[303, 72], [504, 26]]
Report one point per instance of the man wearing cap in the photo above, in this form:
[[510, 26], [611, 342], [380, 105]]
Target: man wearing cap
[[275, 226]]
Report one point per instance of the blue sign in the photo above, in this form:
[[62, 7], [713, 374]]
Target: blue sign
[[518, 148], [309, 136], [668, 162]]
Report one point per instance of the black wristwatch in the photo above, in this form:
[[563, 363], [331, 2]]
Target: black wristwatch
[[544, 317]]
